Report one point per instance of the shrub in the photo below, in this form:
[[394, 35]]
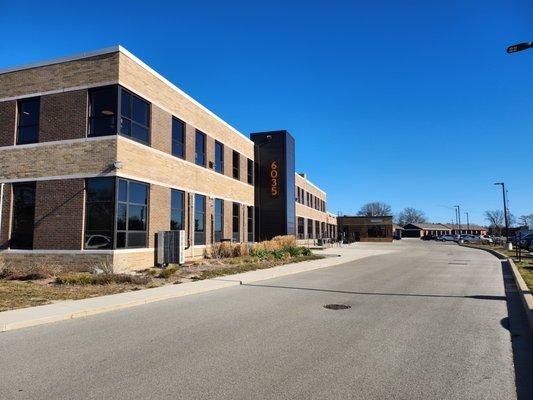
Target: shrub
[[19, 271], [227, 250], [167, 272], [294, 251], [306, 251], [102, 279], [260, 253]]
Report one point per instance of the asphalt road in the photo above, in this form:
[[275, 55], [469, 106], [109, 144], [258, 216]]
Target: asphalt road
[[428, 322]]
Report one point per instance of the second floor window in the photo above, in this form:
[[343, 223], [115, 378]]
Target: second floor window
[[28, 120], [103, 111], [134, 117], [219, 157], [200, 149], [250, 172], [178, 138], [236, 165]]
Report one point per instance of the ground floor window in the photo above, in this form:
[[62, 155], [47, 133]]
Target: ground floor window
[[177, 210], [300, 227], [317, 229], [236, 222], [132, 209], [219, 220], [250, 223], [310, 229], [377, 231], [23, 215], [199, 219], [99, 213]]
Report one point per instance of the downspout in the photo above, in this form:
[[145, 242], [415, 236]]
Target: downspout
[[1, 204]]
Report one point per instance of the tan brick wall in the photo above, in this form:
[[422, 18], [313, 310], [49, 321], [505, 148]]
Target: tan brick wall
[[155, 90], [161, 130], [244, 168], [190, 143], [209, 210], [88, 71], [5, 229], [158, 212], [307, 212], [63, 116], [177, 173], [124, 261], [228, 219], [59, 214], [210, 152], [8, 121], [91, 156], [228, 161]]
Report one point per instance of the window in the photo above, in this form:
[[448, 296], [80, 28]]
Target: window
[[103, 111], [219, 220], [200, 149], [300, 228], [23, 215], [317, 230], [310, 229], [250, 215], [199, 219], [178, 138], [134, 116], [219, 157], [236, 165], [236, 223], [250, 172], [99, 213], [177, 210], [28, 120], [132, 208]]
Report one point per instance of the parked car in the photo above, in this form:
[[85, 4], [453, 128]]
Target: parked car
[[468, 238], [429, 237], [448, 238], [527, 242]]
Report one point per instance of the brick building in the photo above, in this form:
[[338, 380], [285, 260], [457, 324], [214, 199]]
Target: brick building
[[365, 228], [98, 153]]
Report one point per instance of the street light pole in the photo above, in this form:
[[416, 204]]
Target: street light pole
[[459, 217], [467, 222], [519, 47], [502, 184]]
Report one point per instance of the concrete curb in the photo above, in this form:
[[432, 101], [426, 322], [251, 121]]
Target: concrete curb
[[70, 309], [523, 290]]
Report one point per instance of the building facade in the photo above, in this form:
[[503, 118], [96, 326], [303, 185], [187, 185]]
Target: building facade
[[99, 152], [365, 228], [422, 229]]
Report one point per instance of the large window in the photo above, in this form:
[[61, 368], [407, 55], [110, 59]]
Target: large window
[[199, 219], [28, 120], [132, 207], [103, 111], [23, 215], [300, 228], [99, 214], [134, 117], [236, 222], [250, 216], [250, 172], [310, 229], [219, 157], [178, 138], [177, 210], [219, 220], [236, 165], [134, 113], [318, 234], [200, 149]]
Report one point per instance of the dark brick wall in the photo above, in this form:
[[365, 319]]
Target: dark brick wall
[[8, 120], [63, 116], [6, 217], [59, 208]]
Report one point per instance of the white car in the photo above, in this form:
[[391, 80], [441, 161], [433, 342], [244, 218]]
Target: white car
[[475, 239], [448, 238]]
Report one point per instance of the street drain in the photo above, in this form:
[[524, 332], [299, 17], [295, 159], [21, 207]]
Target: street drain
[[457, 263], [337, 306]]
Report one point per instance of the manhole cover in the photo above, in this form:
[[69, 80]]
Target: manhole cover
[[337, 306]]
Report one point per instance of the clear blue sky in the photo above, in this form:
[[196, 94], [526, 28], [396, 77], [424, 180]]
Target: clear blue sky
[[414, 104]]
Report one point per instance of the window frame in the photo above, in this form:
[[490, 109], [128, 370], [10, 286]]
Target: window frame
[[183, 141], [31, 235], [20, 102], [221, 146], [221, 202], [236, 169], [197, 134], [130, 119], [236, 221], [250, 219], [127, 203], [113, 207], [182, 210], [250, 171], [91, 118], [203, 212]]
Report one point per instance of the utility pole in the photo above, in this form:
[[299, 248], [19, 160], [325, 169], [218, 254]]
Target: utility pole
[[467, 221], [459, 218], [502, 184]]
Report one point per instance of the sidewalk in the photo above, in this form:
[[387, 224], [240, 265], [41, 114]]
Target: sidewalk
[[26, 317]]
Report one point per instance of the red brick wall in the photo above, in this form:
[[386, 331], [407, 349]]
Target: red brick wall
[[161, 130], [63, 116], [6, 217], [8, 120], [59, 214]]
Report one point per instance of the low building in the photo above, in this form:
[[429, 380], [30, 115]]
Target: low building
[[471, 229], [418, 230], [365, 229]]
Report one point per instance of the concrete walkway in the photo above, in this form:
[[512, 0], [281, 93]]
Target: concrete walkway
[[22, 318]]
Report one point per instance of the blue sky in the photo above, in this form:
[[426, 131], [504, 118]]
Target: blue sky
[[414, 104]]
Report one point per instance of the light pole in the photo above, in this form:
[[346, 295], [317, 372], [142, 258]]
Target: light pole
[[519, 47], [502, 184], [467, 222], [459, 218]]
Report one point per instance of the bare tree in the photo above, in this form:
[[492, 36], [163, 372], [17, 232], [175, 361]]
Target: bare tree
[[374, 209], [410, 215], [496, 220], [526, 220]]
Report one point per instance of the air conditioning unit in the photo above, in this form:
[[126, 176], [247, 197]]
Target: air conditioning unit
[[170, 247]]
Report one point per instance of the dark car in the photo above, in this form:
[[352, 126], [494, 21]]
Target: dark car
[[527, 242], [429, 237]]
